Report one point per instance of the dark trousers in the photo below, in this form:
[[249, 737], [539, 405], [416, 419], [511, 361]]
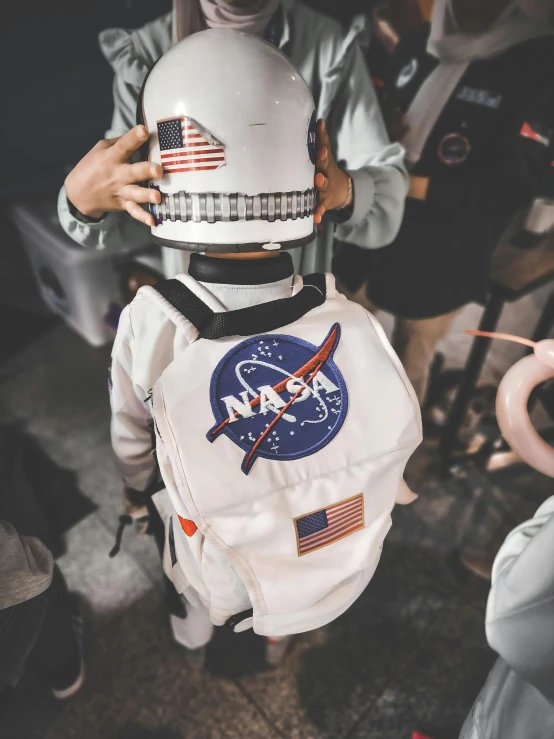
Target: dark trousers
[[55, 645], [40, 629]]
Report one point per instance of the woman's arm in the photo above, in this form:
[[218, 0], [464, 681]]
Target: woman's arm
[[108, 176], [359, 139]]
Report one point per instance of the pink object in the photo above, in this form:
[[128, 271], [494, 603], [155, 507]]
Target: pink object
[[513, 395]]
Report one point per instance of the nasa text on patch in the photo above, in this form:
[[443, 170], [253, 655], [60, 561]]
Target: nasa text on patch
[[278, 397]]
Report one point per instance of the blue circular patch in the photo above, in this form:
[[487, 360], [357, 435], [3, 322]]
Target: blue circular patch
[[311, 139], [454, 149], [278, 397]]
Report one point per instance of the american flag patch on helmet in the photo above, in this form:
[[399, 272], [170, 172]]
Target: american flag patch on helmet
[[327, 525], [186, 146]]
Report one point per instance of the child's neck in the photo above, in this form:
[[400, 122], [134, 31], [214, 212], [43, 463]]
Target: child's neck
[[244, 282]]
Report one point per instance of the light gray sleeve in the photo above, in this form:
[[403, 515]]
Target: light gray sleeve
[[362, 148], [123, 50], [26, 566], [520, 609], [116, 231]]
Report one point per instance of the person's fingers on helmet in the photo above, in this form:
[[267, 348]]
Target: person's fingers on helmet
[[322, 153], [140, 194], [124, 148], [321, 135], [105, 143], [134, 209], [142, 171], [321, 182], [155, 196], [321, 130], [319, 212], [322, 159]]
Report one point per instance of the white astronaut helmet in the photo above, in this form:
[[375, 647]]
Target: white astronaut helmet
[[233, 124]]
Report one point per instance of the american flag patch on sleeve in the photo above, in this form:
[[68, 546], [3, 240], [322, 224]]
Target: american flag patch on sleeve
[[327, 525]]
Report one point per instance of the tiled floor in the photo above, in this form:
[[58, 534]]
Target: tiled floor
[[410, 653]]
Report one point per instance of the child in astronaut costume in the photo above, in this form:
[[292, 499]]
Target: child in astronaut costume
[[282, 418]]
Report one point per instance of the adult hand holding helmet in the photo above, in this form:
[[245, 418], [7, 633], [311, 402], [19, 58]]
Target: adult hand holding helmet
[[105, 180], [333, 185]]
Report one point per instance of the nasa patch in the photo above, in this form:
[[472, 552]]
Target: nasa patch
[[407, 73], [311, 139], [278, 397], [454, 149]]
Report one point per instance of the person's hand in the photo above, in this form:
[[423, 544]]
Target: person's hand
[[135, 504], [331, 182], [104, 180], [418, 187]]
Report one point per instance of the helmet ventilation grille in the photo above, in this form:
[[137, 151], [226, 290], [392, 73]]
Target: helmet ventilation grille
[[219, 207]]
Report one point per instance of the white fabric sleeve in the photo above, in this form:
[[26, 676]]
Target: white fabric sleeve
[[228, 593], [361, 147], [520, 609], [131, 425]]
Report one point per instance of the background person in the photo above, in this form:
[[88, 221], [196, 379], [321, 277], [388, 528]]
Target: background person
[[361, 176], [518, 698], [479, 114]]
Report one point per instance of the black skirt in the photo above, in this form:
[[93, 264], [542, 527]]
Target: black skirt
[[434, 266]]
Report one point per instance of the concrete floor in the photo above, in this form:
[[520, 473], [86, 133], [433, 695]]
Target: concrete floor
[[410, 654]]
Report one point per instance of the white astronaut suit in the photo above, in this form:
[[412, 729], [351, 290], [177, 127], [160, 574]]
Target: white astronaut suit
[[283, 420]]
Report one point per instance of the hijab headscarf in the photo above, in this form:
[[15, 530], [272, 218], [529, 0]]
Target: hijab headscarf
[[190, 16], [455, 50]]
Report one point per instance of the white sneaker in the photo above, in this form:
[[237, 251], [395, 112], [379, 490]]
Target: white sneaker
[[276, 649], [180, 629]]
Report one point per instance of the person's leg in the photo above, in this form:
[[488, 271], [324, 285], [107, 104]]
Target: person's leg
[[193, 631], [357, 296], [415, 341], [275, 649], [58, 651]]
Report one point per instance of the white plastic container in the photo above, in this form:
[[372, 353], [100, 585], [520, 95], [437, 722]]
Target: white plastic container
[[81, 285]]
